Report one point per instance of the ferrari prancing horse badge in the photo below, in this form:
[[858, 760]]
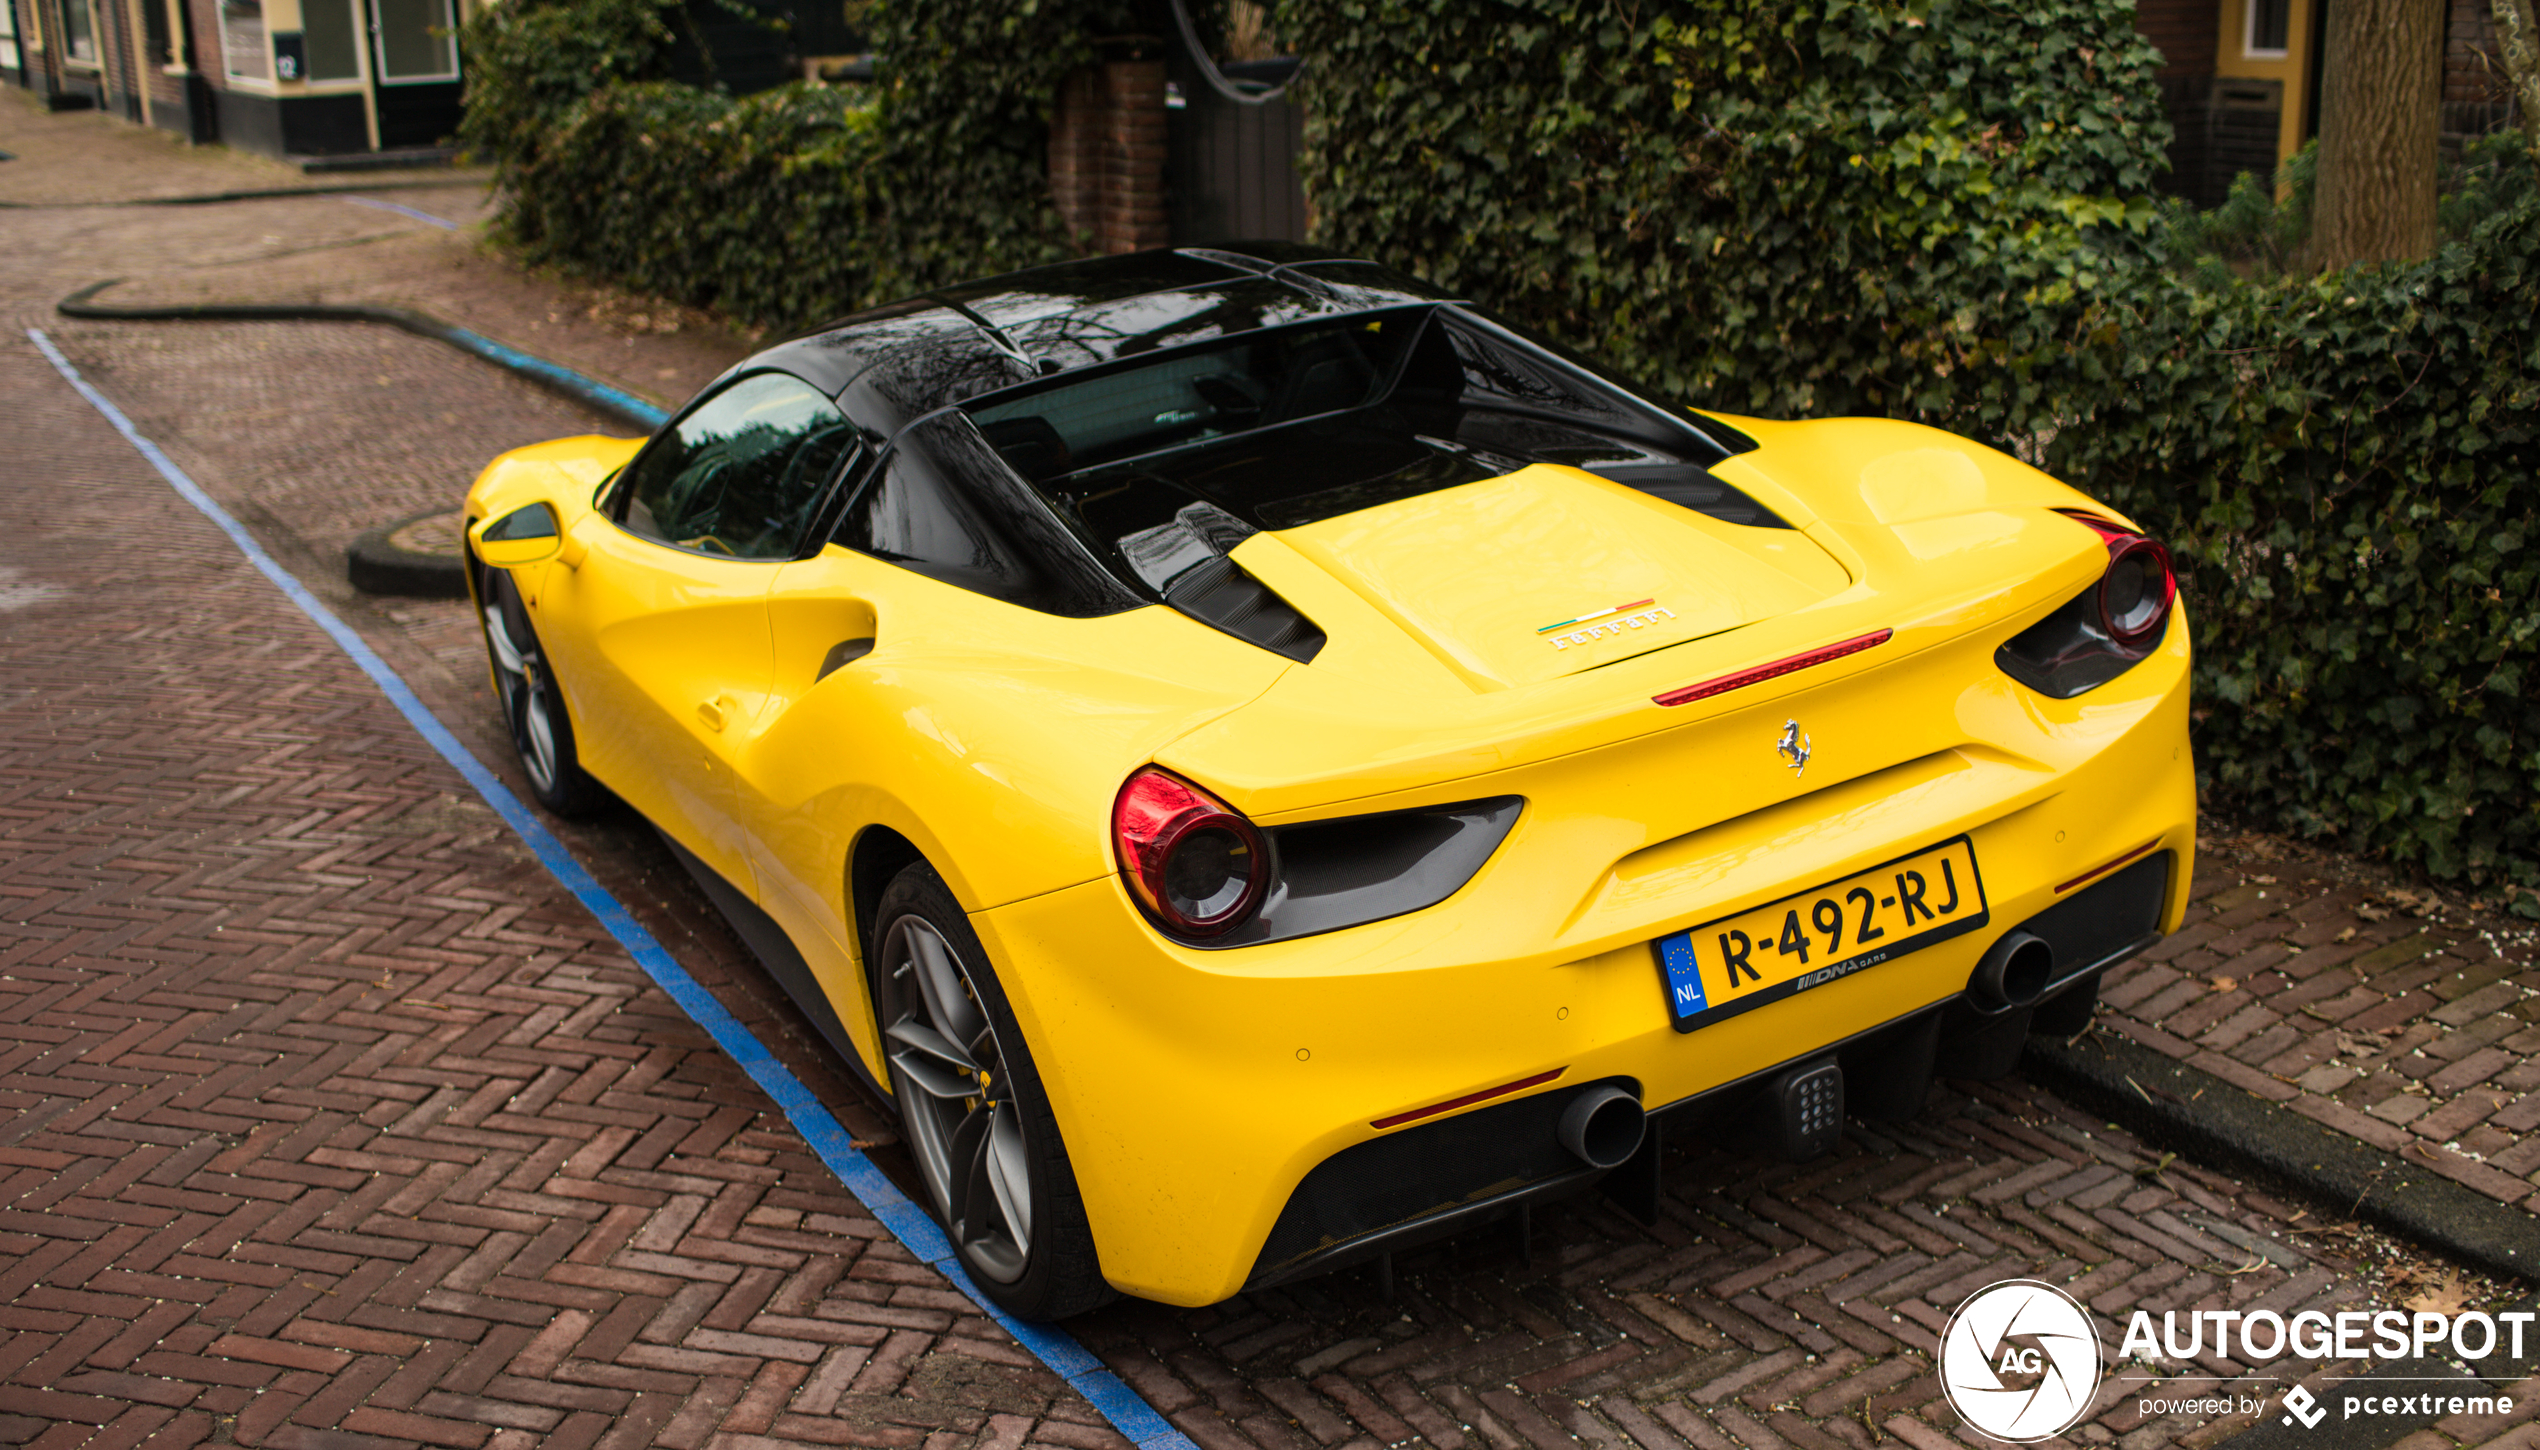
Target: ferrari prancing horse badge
[[1793, 748]]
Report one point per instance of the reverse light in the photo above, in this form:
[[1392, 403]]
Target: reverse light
[[1196, 865]]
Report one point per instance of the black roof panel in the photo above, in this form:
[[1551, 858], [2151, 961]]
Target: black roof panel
[[831, 359], [1039, 292], [1144, 323], [909, 358]]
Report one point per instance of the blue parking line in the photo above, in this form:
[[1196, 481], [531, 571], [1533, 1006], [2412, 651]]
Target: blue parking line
[[1122, 1406], [625, 403], [444, 223]]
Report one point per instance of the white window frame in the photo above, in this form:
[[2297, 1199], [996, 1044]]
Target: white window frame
[[2249, 47], [262, 78], [95, 59], [379, 51]]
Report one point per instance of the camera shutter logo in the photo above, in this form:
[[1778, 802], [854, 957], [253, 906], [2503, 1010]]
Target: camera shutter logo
[[2020, 1361]]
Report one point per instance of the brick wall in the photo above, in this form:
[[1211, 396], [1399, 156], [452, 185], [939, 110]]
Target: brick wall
[[2184, 32], [1107, 156], [205, 15], [2477, 96]]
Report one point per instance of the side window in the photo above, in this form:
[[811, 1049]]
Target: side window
[[741, 475], [945, 505], [1469, 363], [914, 516]]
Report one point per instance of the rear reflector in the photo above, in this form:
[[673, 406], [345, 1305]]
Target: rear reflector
[[1466, 1101], [2110, 866], [1775, 670]]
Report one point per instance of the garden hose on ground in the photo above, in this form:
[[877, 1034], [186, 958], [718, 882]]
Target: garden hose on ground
[[402, 557]]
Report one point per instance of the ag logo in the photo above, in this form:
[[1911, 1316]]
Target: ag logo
[[2020, 1361]]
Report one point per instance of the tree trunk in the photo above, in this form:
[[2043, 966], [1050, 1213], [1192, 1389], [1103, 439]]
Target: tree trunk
[[2381, 98], [2518, 31]]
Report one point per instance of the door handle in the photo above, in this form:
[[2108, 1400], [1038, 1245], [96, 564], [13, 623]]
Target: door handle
[[711, 713]]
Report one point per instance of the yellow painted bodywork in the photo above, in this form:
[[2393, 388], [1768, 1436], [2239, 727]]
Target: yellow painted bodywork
[[1196, 1088]]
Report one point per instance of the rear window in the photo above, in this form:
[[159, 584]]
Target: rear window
[[1280, 427], [1194, 395]]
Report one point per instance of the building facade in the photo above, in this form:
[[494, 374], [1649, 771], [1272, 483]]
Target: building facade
[[289, 78], [2241, 79]]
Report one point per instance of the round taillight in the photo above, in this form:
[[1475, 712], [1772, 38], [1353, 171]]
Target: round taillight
[[1196, 866], [2136, 593]]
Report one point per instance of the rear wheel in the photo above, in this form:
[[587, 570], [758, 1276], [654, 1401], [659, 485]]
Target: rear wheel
[[976, 1117], [533, 709]]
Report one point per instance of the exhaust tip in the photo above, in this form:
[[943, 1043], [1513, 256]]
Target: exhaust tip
[[2013, 974], [1602, 1126]]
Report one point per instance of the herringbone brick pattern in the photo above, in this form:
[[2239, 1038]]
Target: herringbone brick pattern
[[1773, 1306], [2402, 1017], [332, 1121], [334, 1124]]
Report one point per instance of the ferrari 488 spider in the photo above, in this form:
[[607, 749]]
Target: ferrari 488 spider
[[1265, 763]]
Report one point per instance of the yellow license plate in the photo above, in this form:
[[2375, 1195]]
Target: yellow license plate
[[1741, 962]]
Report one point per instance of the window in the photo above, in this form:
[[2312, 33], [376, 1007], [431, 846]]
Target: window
[[2270, 28], [416, 41], [154, 34], [945, 504], [333, 39], [79, 30], [1194, 394], [242, 40], [741, 474], [914, 517], [9, 36]]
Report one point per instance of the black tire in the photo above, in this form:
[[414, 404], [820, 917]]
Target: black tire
[[946, 1026], [533, 708]]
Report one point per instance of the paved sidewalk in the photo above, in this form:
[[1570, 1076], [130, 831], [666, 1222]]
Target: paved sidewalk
[[2397, 1016], [334, 1121], [342, 248], [337, 1124]]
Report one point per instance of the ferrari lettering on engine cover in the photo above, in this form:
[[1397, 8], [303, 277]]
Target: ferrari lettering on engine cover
[[1639, 614]]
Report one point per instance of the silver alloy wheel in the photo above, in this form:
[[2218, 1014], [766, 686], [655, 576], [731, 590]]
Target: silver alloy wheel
[[527, 699], [957, 1099]]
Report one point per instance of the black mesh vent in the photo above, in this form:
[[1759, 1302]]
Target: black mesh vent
[[2107, 920], [1690, 486], [1424, 1169], [1220, 593]]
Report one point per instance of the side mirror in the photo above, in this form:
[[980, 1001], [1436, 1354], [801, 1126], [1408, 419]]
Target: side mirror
[[523, 536]]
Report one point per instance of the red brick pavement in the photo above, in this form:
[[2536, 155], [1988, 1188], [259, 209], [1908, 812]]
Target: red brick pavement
[[325, 1088], [2402, 1016], [334, 1121]]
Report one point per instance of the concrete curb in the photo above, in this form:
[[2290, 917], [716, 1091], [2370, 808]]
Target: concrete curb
[[2197, 1115], [615, 403], [260, 193], [2200, 1116]]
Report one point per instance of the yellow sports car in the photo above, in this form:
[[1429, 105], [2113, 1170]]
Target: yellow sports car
[[1266, 763]]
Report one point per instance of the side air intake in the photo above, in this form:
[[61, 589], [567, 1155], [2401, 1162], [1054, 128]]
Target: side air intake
[[1220, 593], [1185, 561]]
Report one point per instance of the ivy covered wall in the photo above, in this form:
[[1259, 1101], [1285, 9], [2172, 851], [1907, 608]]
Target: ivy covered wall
[[791, 204]]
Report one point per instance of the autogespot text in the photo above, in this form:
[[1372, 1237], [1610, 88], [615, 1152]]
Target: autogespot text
[[2265, 1334]]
